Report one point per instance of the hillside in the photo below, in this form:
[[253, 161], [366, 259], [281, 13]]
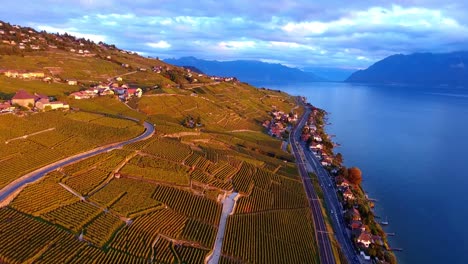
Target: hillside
[[158, 200], [418, 68], [254, 72]]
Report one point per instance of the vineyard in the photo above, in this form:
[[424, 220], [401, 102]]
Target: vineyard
[[159, 170], [156, 200]]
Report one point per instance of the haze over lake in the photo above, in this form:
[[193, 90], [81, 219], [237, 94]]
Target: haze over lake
[[410, 143]]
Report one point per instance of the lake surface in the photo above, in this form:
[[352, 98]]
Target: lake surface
[[411, 144]]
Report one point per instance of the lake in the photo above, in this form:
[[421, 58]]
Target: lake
[[411, 145]]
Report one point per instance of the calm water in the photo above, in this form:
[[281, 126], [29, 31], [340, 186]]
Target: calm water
[[410, 143]]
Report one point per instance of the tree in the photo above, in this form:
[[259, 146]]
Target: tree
[[338, 159], [355, 175]]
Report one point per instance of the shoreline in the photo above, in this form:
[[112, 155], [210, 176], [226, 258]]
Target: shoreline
[[350, 196]]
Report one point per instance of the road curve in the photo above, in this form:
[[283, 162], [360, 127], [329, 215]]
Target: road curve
[[39, 173]]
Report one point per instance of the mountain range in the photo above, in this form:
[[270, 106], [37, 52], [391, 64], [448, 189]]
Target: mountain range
[[253, 72], [417, 68]]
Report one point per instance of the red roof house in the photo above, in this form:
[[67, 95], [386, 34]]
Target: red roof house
[[23, 98]]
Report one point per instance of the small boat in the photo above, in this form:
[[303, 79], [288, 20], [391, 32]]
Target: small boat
[[384, 222]]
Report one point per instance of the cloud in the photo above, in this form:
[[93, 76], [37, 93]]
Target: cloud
[[294, 32], [73, 31], [159, 45]]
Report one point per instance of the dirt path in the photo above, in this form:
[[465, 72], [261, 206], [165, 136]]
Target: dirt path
[[29, 135], [228, 208]]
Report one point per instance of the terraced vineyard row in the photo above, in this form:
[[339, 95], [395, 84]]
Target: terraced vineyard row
[[102, 228], [191, 254], [261, 237], [189, 204], [140, 238], [132, 196], [43, 196], [152, 168], [35, 236], [82, 213], [242, 180], [200, 232], [169, 149], [85, 182]]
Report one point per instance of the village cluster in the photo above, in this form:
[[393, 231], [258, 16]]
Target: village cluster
[[321, 146], [316, 142], [280, 124], [361, 233], [124, 92]]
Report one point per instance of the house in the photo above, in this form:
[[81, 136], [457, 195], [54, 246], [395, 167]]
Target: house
[[72, 82], [38, 97], [345, 183], [6, 107], [24, 99], [355, 215], [365, 239], [348, 195], [316, 146], [36, 74], [72, 50], [119, 79], [135, 92], [80, 95], [43, 104], [2, 32], [106, 91], [355, 224], [11, 74]]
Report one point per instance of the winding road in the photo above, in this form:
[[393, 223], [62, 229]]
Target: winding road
[[16, 185]]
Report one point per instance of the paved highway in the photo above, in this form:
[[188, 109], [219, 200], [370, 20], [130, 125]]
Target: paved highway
[[304, 155], [39, 173], [325, 250]]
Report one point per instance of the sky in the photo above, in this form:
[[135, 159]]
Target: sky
[[351, 34]]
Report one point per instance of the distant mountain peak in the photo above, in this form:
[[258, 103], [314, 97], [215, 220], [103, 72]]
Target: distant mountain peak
[[417, 68], [251, 71]]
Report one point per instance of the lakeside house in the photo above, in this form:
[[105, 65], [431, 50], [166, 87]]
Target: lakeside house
[[348, 195], [365, 239]]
